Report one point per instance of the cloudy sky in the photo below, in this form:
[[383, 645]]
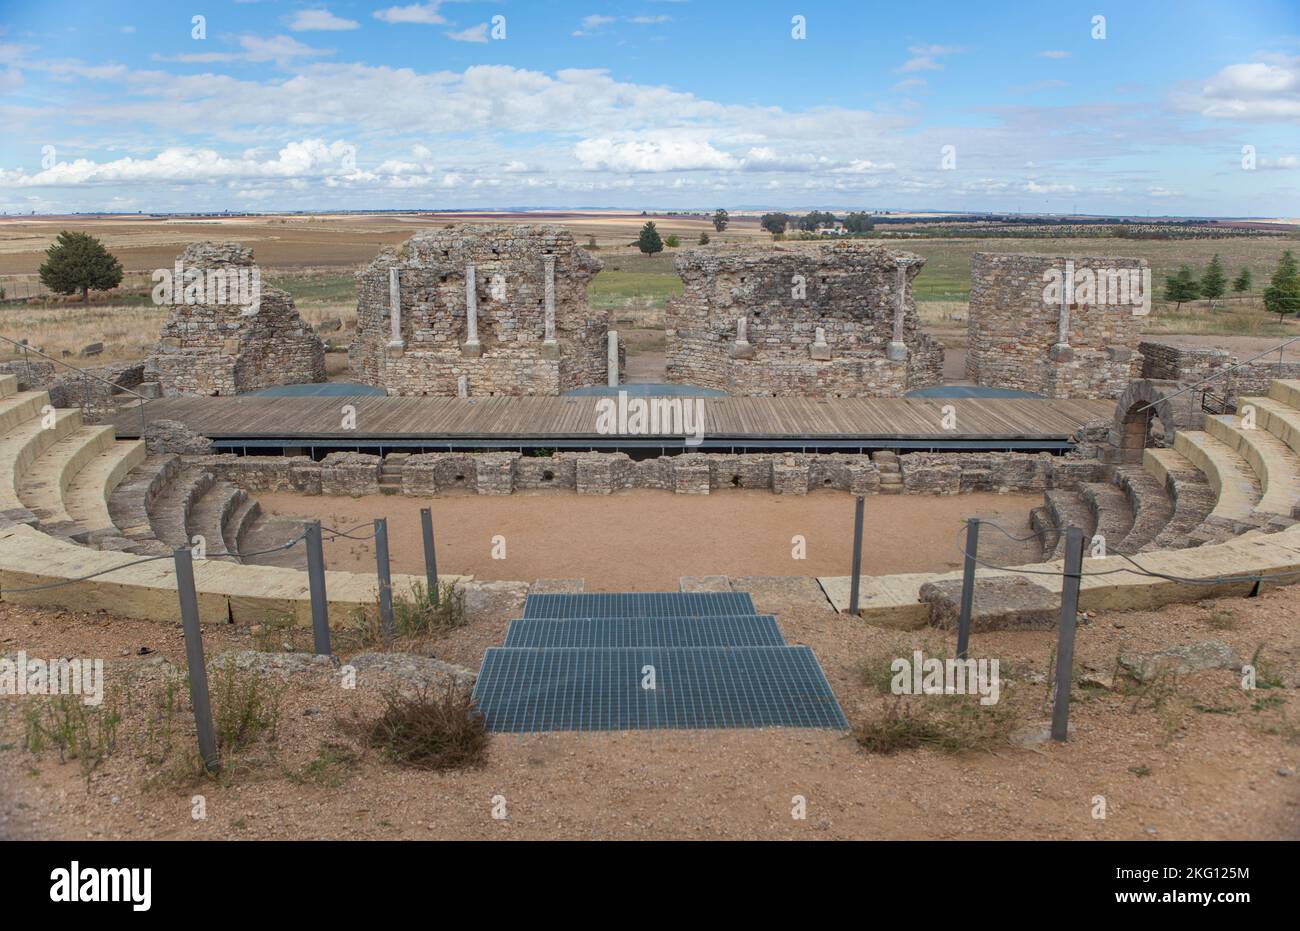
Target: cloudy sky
[[1181, 107]]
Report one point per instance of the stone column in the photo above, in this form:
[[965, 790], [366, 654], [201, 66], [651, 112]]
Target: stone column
[[1061, 352], [472, 346], [462, 386], [896, 351], [742, 349], [613, 358], [550, 346], [820, 351], [395, 344]]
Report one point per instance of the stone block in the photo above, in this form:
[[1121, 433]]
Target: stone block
[[1004, 603]]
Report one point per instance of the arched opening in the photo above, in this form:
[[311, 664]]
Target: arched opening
[[1145, 415]]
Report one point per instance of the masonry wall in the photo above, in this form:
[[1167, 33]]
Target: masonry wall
[[428, 474], [1192, 365], [1013, 330], [784, 294], [225, 348], [513, 357]]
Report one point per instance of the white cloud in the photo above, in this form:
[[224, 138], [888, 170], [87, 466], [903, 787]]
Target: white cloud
[[1053, 53], [472, 34], [925, 57], [425, 14], [663, 152], [320, 21], [1267, 90]]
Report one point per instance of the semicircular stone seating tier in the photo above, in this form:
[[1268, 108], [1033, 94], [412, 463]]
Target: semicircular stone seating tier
[[1220, 501], [76, 502]]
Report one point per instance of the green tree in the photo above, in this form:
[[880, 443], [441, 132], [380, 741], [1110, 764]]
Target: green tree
[[1241, 284], [704, 239], [811, 222], [859, 222], [1213, 281], [720, 219], [79, 262], [1282, 296], [774, 223], [673, 241], [649, 241], [1182, 287]]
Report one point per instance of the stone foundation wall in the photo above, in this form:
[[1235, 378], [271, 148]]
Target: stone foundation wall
[[1014, 331], [1178, 363], [849, 291], [227, 348], [431, 351], [429, 474]]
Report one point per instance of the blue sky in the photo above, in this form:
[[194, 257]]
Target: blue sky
[[651, 105]]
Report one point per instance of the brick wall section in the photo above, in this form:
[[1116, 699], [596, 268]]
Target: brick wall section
[[429, 474], [219, 349], [1192, 365], [1012, 330], [510, 287], [849, 290]]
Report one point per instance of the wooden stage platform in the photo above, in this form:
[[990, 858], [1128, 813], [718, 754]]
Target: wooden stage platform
[[571, 422]]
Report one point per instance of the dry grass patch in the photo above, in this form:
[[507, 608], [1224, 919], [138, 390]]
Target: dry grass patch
[[432, 731]]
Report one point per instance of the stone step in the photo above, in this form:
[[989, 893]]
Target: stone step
[[8, 386], [1067, 509], [1285, 390], [1190, 491], [44, 486], [20, 407], [1150, 503], [1272, 461], [240, 521], [87, 496], [1112, 515], [20, 447], [1275, 417], [171, 510], [1235, 484], [131, 500], [210, 514]]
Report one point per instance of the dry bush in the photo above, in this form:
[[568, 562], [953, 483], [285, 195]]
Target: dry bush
[[432, 731]]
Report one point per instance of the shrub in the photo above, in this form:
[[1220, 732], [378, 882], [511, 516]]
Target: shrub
[[949, 723], [428, 731], [245, 707]]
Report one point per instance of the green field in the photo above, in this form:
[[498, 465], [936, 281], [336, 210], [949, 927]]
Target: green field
[[630, 277], [946, 275]]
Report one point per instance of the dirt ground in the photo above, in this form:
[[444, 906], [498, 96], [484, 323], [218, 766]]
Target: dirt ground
[[646, 540], [1204, 762]]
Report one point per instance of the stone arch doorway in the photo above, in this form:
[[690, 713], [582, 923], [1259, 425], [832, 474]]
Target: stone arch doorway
[[1147, 414]]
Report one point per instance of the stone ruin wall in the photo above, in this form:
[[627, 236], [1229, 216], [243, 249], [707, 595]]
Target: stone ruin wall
[[430, 350], [1190, 365], [501, 473], [227, 348], [873, 345], [1014, 334]]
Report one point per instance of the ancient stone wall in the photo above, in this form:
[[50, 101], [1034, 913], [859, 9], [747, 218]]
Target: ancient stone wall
[[823, 320], [219, 345], [490, 310], [1024, 336], [498, 473]]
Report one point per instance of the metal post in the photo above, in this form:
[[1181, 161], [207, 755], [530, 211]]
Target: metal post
[[857, 555], [430, 554], [385, 578], [320, 609], [1065, 632], [967, 585], [194, 659]]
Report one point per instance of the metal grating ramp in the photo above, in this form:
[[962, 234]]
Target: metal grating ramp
[[528, 690], [740, 630], [639, 604]]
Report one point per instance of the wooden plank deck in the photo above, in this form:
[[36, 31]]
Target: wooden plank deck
[[511, 418]]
